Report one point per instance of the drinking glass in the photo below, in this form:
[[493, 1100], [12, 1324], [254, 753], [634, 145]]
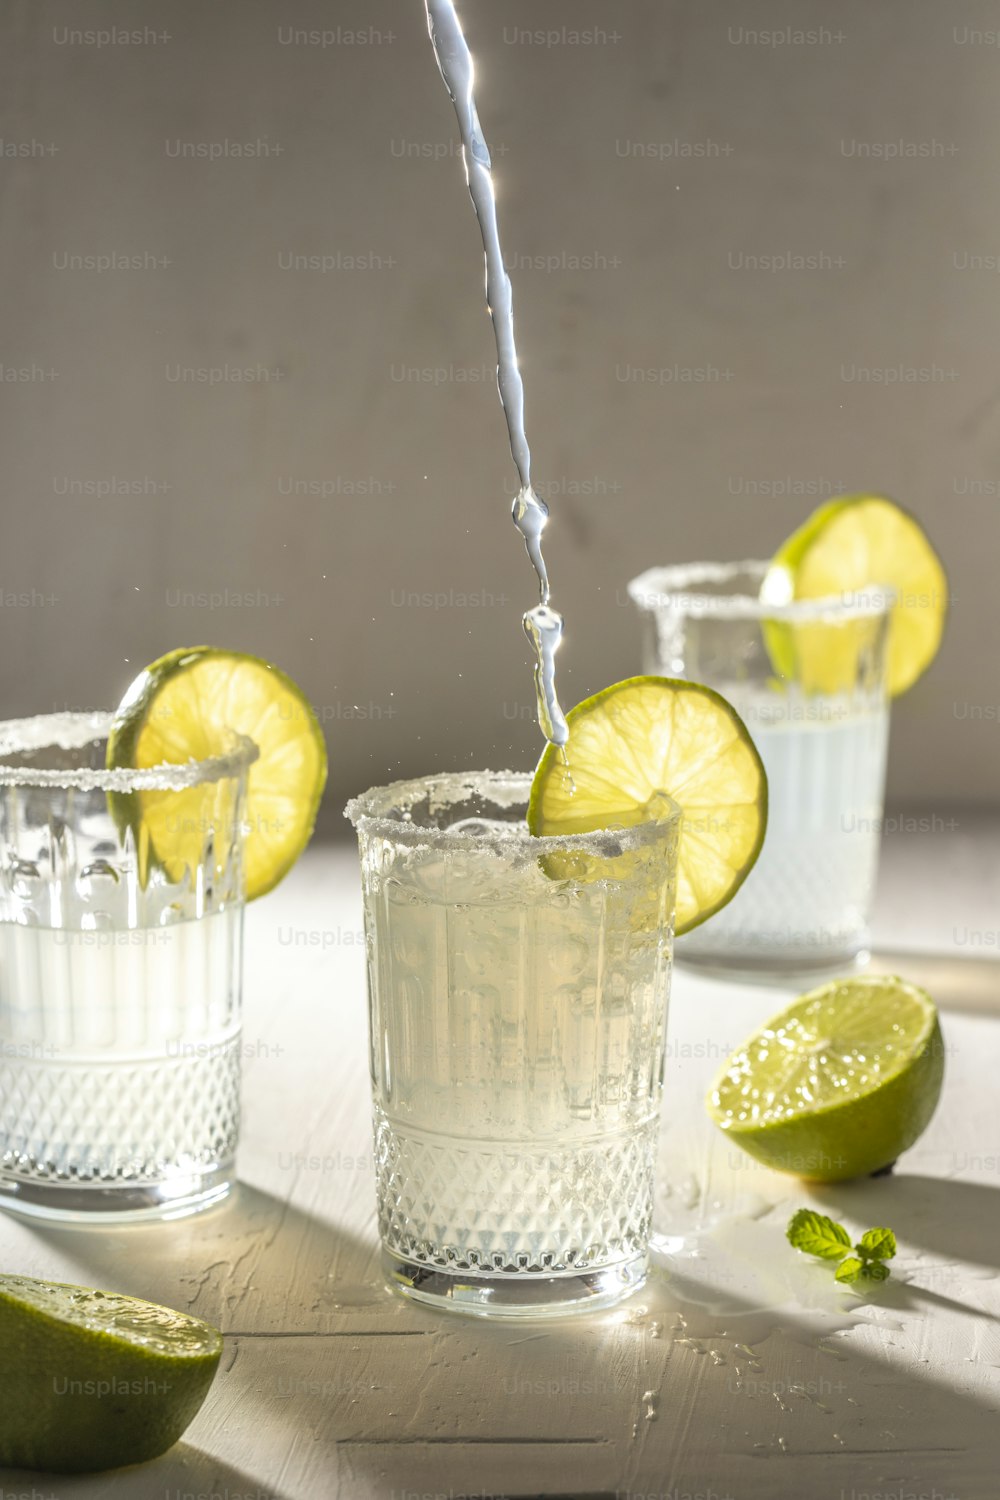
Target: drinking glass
[[120, 975], [518, 993], [808, 679]]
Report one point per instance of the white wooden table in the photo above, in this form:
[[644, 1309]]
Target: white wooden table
[[738, 1371]]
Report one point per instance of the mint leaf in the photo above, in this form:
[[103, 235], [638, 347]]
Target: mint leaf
[[816, 1234], [877, 1244]]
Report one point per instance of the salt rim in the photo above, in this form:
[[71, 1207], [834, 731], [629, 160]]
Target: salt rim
[[504, 789], [665, 589], [72, 731]]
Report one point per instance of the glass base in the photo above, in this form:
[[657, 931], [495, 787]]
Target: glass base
[[514, 1296], [774, 968], [79, 1205]]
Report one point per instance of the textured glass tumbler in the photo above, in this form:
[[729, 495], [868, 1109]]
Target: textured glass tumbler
[[808, 680], [120, 976], [518, 995]]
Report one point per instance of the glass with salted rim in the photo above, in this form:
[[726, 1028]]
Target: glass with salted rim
[[518, 992], [808, 678], [120, 976]]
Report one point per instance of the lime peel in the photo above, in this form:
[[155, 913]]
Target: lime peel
[[837, 1084], [94, 1380]]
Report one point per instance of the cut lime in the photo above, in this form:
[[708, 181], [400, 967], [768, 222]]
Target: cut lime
[[186, 706], [837, 1084], [647, 739], [92, 1380], [849, 548]]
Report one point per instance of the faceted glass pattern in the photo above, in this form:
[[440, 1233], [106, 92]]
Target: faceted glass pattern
[[518, 1015], [120, 986]]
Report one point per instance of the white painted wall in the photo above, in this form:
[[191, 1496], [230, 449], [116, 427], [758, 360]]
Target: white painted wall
[[777, 129]]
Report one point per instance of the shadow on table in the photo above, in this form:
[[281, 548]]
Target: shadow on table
[[357, 1391], [851, 1418], [952, 1219], [227, 1263], [630, 1401], [182, 1472], [267, 1273], [969, 985]]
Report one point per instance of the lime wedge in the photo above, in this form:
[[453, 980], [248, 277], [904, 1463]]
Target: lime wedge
[[854, 545], [186, 706], [651, 738], [837, 1084], [93, 1380]]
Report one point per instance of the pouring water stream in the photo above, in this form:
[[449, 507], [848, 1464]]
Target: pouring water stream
[[543, 625]]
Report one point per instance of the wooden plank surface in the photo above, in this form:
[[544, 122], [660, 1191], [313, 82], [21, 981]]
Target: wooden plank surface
[[737, 1371]]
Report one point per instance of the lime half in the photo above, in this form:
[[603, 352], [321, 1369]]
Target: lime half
[[838, 1084], [851, 547], [647, 739], [93, 1380], [186, 707]]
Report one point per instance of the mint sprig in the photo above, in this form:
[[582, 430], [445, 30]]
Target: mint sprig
[[816, 1234]]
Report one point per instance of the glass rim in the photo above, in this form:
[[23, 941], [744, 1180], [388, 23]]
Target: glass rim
[[72, 731], [367, 812], [675, 588]]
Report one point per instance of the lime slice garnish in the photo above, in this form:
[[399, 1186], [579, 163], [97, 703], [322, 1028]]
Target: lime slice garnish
[[187, 706], [93, 1380], [837, 1084], [853, 546], [646, 740]]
